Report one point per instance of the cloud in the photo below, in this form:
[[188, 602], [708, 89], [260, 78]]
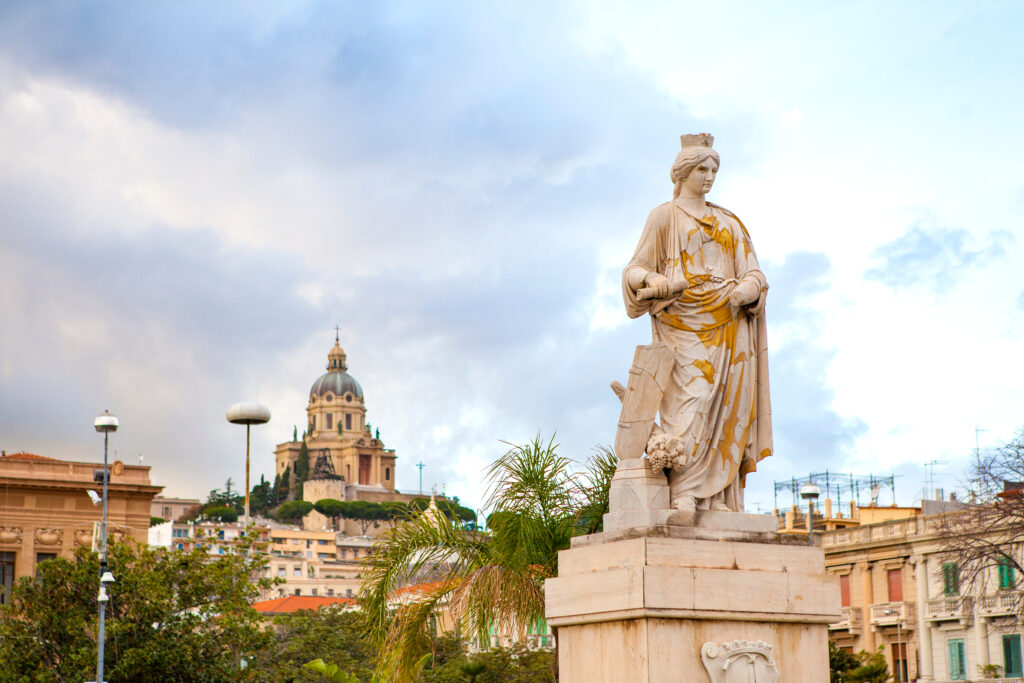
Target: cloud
[[936, 258], [809, 434]]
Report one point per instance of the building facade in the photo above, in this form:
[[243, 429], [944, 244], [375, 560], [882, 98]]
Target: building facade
[[900, 593], [46, 510]]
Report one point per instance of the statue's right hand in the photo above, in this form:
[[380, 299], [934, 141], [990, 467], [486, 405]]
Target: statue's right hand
[[658, 284]]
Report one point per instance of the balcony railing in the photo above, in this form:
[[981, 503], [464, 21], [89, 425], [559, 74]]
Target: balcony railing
[[1001, 603], [891, 613], [849, 620], [948, 607]]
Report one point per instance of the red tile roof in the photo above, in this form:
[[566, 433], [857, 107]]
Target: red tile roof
[[28, 456], [294, 603]]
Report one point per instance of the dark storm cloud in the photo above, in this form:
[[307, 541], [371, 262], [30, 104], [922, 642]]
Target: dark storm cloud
[[936, 258]]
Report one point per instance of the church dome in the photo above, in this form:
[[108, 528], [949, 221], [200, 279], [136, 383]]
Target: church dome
[[338, 383], [336, 380]]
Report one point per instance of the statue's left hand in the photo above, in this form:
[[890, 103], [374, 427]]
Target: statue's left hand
[[744, 293]]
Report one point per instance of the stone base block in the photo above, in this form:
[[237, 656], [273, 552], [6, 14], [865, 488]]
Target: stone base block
[[642, 608]]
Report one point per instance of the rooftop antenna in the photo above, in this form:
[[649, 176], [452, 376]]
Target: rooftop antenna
[[929, 476], [421, 466], [977, 448]]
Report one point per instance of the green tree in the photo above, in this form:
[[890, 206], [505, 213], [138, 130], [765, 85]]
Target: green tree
[[364, 512], [873, 668], [301, 468], [329, 633], [172, 616], [488, 581], [221, 513], [840, 662], [293, 510], [329, 507]]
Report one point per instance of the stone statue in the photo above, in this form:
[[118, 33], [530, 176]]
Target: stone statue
[[706, 374]]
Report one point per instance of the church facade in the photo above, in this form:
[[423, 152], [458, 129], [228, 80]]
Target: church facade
[[339, 439]]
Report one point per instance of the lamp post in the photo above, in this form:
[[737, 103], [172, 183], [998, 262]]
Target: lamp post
[[105, 423], [810, 493], [247, 414]]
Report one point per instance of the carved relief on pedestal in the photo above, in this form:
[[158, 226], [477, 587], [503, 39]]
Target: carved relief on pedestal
[[48, 536], [117, 533], [83, 536], [743, 661], [10, 534], [117, 469]]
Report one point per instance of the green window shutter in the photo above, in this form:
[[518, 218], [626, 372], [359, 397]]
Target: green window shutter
[[1011, 656], [1006, 574], [957, 666], [951, 578]]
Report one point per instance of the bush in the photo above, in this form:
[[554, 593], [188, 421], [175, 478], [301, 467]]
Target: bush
[[221, 514], [294, 510]]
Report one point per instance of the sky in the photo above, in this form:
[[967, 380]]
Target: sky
[[195, 194]]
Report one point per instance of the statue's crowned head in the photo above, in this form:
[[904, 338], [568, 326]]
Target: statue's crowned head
[[696, 148]]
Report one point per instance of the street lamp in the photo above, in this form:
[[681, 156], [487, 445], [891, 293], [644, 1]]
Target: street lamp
[[247, 414], [105, 423], [810, 493]]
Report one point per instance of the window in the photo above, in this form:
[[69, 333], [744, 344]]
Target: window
[[165, 512], [344, 553], [312, 423], [950, 578], [298, 591], [1011, 656], [179, 533], [282, 572], [387, 474], [957, 661], [895, 585], [1006, 573], [330, 592], [297, 571], [181, 546], [355, 553], [844, 589], [314, 591], [6, 575], [348, 420], [348, 592], [330, 421], [899, 658]]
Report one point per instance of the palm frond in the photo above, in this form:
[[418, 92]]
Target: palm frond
[[499, 597], [409, 635], [416, 549]]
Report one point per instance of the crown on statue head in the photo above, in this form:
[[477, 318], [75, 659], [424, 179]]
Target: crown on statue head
[[699, 140]]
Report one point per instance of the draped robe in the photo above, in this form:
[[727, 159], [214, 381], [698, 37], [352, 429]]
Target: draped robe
[[717, 402]]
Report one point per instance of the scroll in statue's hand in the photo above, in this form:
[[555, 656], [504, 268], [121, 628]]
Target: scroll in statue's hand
[[660, 287], [745, 293]]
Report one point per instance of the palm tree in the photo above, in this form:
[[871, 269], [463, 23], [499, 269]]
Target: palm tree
[[538, 501]]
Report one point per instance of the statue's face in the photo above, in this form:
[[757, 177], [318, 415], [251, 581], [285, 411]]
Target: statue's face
[[700, 180]]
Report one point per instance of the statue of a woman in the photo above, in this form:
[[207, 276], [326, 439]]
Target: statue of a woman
[[695, 272]]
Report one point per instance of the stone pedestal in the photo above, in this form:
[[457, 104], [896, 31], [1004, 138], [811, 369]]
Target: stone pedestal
[[679, 603]]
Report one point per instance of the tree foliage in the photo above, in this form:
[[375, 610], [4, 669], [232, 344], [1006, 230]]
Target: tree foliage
[[221, 514], [172, 616], [294, 510], [540, 502], [329, 634]]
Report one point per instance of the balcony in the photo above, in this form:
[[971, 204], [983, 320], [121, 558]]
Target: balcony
[[949, 608], [893, 613], [849, 620], [1003, 603]]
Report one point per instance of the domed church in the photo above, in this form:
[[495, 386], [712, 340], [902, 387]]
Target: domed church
[[339, 442]]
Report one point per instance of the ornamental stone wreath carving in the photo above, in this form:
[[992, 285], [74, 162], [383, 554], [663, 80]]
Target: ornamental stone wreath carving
[[48, 536], [10, 534], [740, 661]]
